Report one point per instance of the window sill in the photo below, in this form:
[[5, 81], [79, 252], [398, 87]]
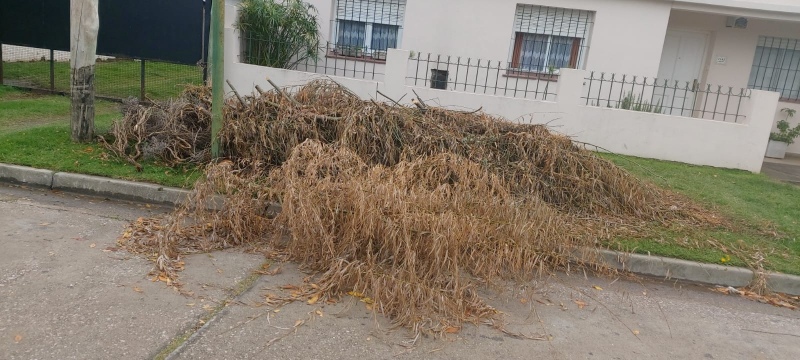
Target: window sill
[[364, 58], [791, 101], [532, 75]]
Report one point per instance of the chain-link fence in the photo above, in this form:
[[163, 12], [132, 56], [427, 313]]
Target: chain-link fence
[[117, 78]]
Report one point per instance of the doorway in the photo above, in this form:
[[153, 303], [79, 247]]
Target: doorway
[[681, 60]]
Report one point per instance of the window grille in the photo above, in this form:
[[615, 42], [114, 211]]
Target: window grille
[[776, 67], [367, 28], [547, 39]]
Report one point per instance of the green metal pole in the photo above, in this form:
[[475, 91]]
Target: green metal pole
[[217, 72]]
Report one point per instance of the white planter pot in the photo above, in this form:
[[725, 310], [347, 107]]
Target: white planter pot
[[776, 149]]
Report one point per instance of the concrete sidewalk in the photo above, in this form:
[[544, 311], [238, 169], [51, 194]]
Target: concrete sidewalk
[[66, 292], [786, 170], [625, 320]]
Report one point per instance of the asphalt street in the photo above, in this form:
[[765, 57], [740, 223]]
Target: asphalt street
[[67, 292]]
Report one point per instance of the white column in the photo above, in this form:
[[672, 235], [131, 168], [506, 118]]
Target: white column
[[759, 118], [570, 86], [394, 79]]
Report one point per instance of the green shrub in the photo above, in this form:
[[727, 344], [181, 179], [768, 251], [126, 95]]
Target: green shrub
[[786, 133], [636, 103], [278, 34]]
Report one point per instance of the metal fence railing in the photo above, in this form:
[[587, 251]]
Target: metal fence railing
[[690, 99], [118, 78], [328, 58], [479, 76]]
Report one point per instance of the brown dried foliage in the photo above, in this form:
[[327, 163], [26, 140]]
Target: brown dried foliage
[[412, 207], [174, 131]]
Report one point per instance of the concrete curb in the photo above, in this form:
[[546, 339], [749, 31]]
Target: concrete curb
[[713, 274], [657, 266], [128, 190], [92, 185], [26, 175]]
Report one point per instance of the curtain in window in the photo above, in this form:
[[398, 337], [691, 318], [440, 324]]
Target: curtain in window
[[352, 33], [533, 52], [560, 52], [384, 36]]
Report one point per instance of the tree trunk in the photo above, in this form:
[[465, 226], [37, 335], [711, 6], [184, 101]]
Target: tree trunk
[[84, 26]]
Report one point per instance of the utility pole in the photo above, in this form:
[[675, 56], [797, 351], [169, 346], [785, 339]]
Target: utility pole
[[84, 26], [217, 72]]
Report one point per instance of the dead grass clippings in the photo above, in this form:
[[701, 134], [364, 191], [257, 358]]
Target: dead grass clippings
[[413, 207]]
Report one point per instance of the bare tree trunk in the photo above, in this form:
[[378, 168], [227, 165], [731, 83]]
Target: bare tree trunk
[[84, 26]]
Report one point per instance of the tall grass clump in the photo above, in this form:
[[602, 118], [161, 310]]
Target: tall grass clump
[[278, 34]]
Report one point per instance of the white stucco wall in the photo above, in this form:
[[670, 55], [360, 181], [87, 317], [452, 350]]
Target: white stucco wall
[[483, 29], [648, 135], [627, 35]]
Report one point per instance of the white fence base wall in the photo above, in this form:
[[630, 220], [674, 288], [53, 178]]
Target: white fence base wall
[[664, 137]]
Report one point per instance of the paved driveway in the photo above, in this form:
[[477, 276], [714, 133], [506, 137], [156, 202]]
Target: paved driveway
[[786, 170]]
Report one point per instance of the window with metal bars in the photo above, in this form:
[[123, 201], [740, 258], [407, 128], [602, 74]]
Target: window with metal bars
[[367, 28], [547, 39], [776, 67]]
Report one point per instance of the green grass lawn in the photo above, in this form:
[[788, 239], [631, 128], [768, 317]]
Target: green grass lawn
[[765, 214], [113, 78], [34, 131]]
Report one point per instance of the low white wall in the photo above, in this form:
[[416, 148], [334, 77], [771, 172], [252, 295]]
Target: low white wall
[[13, 53], [245, 77], [666, 137]]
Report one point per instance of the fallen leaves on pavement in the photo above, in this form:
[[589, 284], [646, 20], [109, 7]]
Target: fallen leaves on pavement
[[775, 299]]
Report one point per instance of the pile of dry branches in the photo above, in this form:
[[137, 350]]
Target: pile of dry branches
[[174, 131], [411, 206]]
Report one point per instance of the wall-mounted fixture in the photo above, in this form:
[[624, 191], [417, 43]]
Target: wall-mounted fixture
[[736, 22]]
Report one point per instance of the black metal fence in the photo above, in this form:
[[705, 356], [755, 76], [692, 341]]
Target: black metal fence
[[690, 99], [116, 78], [481, 77], [329, 59]]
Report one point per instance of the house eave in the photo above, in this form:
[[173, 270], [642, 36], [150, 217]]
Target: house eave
[[741, 8]]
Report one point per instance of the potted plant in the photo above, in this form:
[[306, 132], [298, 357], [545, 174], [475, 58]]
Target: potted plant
[[379, 55], [351, 51], [780, 140]]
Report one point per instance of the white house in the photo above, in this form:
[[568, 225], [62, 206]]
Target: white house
[[683, 45]]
